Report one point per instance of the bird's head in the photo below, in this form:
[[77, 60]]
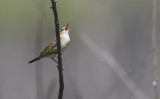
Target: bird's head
[[64, 30]]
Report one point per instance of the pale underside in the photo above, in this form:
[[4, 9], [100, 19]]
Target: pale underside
[[51, 49]]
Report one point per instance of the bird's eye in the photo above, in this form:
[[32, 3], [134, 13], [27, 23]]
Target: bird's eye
[[61, 29]]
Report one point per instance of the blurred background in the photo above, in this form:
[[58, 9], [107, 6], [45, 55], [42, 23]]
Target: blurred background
[[109, 57]]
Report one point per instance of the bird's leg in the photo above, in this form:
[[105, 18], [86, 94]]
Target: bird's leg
[[55, 60], [57, 63]]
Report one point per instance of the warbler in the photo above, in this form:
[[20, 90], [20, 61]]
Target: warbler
[[51, 49]]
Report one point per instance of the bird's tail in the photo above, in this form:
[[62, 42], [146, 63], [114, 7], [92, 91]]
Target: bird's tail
[[35, 59]]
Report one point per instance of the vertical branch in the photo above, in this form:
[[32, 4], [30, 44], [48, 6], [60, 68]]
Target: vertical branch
[[61, 88], [156, 78]]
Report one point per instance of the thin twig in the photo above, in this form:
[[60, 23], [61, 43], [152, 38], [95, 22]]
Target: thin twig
[[61, 88], [156, 78]]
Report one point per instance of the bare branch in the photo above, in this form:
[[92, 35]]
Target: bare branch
[[61, 88]]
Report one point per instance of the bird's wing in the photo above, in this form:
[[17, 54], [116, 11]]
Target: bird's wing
[[50, 49]]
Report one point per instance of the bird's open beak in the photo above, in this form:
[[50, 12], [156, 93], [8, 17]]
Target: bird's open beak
[[66, 28]]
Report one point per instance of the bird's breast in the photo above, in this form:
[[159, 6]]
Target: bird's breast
[[65, 39]]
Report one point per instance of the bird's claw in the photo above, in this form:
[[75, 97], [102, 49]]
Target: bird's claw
[[61, 55], [62, 67]]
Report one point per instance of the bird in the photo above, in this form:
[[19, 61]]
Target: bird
[[51, 49]]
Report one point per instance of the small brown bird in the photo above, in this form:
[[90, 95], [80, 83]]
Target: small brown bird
[[51, 50]]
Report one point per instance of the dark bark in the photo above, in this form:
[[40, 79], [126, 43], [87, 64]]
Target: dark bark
[[61, 88]]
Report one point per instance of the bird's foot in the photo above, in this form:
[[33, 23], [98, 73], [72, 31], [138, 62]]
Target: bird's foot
[[54, 60], [62, 67], [57, 64], [61, 55]]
